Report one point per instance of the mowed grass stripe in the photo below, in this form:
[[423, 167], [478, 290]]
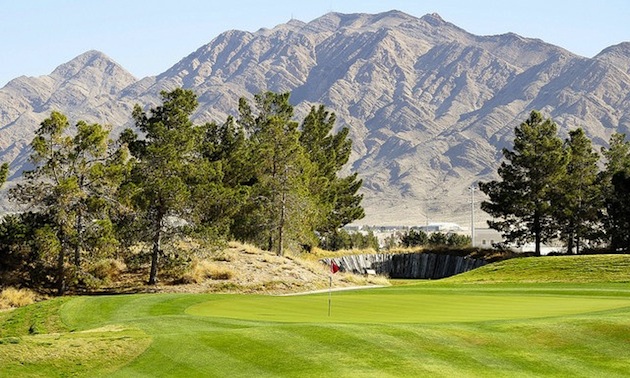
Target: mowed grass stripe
[[397, 354], [349, 352], [312, 350], [510, 351], [272, 349], [193, 356], [590, 339], [394, 308]]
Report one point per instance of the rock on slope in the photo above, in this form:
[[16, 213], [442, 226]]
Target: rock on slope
[[429, 105]]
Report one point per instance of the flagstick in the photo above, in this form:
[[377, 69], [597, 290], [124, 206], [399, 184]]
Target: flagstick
[[329, 293]]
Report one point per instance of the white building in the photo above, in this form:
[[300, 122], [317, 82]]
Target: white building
[[487, 237]]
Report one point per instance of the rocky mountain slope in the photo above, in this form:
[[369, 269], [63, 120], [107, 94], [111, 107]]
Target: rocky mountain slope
[[429, 105]]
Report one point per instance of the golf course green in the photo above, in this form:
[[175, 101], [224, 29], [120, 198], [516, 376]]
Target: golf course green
[[434, 328], [419, 304]]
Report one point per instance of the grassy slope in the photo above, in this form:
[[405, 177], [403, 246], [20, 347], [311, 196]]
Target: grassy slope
[[35, 342], [429, 328], [584, 268]]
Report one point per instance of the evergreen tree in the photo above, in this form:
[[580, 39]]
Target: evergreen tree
[[414, 238], [458, 241], [4, 173], [220, 176], [165, 160], [280, 209], [329, 152], [438, 239], [530, 178], [619, 212], [617, 158], [68, 184], [579, 204]]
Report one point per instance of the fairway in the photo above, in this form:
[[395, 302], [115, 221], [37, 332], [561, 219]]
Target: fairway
[[424, 329], [392, 305]]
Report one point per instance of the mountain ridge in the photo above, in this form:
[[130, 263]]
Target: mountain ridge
[[429, 105]]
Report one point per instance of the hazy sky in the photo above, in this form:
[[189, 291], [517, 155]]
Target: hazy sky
[[148, 36]]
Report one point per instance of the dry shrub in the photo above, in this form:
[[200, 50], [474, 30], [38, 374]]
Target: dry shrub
[[314, 266], [404, 250], [353, 279], [107, 269], [11, 297], [245, 248], [365, 280], [378, 280], [273, 259], [250, 249], [234, 244], [202, 270], [225, 256]]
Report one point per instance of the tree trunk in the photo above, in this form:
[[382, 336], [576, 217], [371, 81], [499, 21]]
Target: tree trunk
[[61, 272], [77, 247], [157, 241], [281, 225], [537, 233], [270, 241], [570, 238], [577, 241]]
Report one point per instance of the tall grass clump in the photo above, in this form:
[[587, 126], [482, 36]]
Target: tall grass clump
[[13, 298], [201, 270], [107, 269]]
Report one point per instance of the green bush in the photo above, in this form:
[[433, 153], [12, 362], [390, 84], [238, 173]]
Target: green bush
[[438, 239], [414, 238], [343, 239], [457, 240]]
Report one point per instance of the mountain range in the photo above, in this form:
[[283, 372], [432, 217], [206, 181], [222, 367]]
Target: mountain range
[[429, 105]]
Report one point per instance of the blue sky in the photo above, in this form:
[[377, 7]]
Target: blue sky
[[149, 36]]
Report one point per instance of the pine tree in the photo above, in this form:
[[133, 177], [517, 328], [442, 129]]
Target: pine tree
[[578, 204], [617, 158], [619, 212], [280, 210], [523, 199], [159, 184], [220, 176], [69, 184], [4, 173], [329, 153]]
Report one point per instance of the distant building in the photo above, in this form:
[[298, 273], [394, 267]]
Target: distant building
[[444, 227], [488, 238]]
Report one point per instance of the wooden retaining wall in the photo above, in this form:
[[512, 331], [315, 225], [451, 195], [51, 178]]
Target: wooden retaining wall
[[409, 265]]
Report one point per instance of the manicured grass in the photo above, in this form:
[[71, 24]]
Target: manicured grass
[[583, 268], [436, 328], [422, 329], [34, 342], [42, 317], [419, 304]]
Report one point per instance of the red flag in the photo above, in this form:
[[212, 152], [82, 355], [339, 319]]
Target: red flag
[[334, 267]]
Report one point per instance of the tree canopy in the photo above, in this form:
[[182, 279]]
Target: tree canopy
[[551, 190], [4, 173], [71, 185], [262, 177], [159, 183], [530, 177]]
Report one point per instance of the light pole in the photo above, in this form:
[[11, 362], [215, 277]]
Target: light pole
[[472, 214]]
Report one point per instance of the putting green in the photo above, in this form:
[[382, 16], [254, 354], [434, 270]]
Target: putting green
[[381, 306]]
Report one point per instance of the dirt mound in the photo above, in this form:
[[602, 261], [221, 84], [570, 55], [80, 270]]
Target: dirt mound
[[241, 268]]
